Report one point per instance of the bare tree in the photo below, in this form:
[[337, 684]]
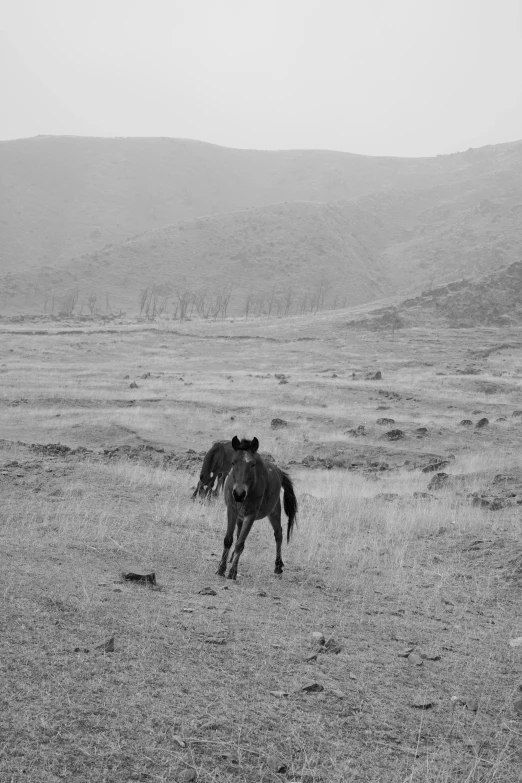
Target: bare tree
[[249, 301], [225, 299], [91, 302], [47, 298], [270, 301], [287, 301], [143, 297], [184, 297], [69, 302]]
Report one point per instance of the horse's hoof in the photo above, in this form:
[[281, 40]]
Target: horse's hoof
[[220, 572], [232, 575]]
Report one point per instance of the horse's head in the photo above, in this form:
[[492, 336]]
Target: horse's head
[[243, 471]]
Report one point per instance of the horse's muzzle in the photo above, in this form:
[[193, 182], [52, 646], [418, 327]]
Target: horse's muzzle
[[239, 495]]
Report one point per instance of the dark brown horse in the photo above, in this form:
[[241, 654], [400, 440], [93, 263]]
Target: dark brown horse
[[252, 491], [216, 464]]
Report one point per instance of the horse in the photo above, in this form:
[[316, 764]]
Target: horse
[[216, 464], [252, 491]]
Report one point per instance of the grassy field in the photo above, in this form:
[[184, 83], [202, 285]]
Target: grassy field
[[419, 585]]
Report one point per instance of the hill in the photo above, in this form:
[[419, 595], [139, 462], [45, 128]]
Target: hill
[[64, 196], [323, 229], [491, 300]]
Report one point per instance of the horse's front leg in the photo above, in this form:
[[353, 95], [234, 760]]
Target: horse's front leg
[[229, 538], [219, 485], [248, 521]]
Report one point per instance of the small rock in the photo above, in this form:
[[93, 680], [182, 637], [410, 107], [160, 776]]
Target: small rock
[[312, 687], [478, 502], [394, 434], [146, 579], [438, 481], [145, 375], [472, 704], [331, 646], [133, 385], [516, 642], [339, 694], [278, 423], [481, 423], [466, 423], [421, 430], [207, 591], [107, 646], [374, 376], [385, 421], [276, 764], [215, 640], [318, 637], [422, 703], [517, 706], [435, 465], [405, 653], [279, 694], [311, 657], [126, 377], [415, 659], [517, 413], [186, 776]]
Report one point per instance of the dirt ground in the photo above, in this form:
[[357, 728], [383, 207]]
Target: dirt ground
[[407, 555]]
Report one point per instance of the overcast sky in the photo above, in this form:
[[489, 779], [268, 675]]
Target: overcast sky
[[378, 77]]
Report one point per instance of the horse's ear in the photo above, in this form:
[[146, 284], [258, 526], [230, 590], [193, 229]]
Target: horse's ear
[[254, 445], [235, 443]]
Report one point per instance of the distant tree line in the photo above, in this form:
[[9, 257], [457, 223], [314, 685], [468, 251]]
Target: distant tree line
[[183, 302]]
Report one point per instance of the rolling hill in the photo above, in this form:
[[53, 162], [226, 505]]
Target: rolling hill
[[113, 216]]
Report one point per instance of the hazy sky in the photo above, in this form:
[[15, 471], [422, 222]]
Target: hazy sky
[[379, 77]]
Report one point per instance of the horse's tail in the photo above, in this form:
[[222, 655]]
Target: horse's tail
[[289, 503]]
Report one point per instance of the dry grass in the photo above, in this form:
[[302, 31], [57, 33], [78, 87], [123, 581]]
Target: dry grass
[[378, 573]]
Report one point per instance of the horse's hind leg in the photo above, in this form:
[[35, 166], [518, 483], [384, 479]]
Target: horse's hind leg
[[227, 543], [275, 521]]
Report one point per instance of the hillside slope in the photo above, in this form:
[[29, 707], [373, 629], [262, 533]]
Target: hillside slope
[[61, 197], [346, 252], [494, 299]]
